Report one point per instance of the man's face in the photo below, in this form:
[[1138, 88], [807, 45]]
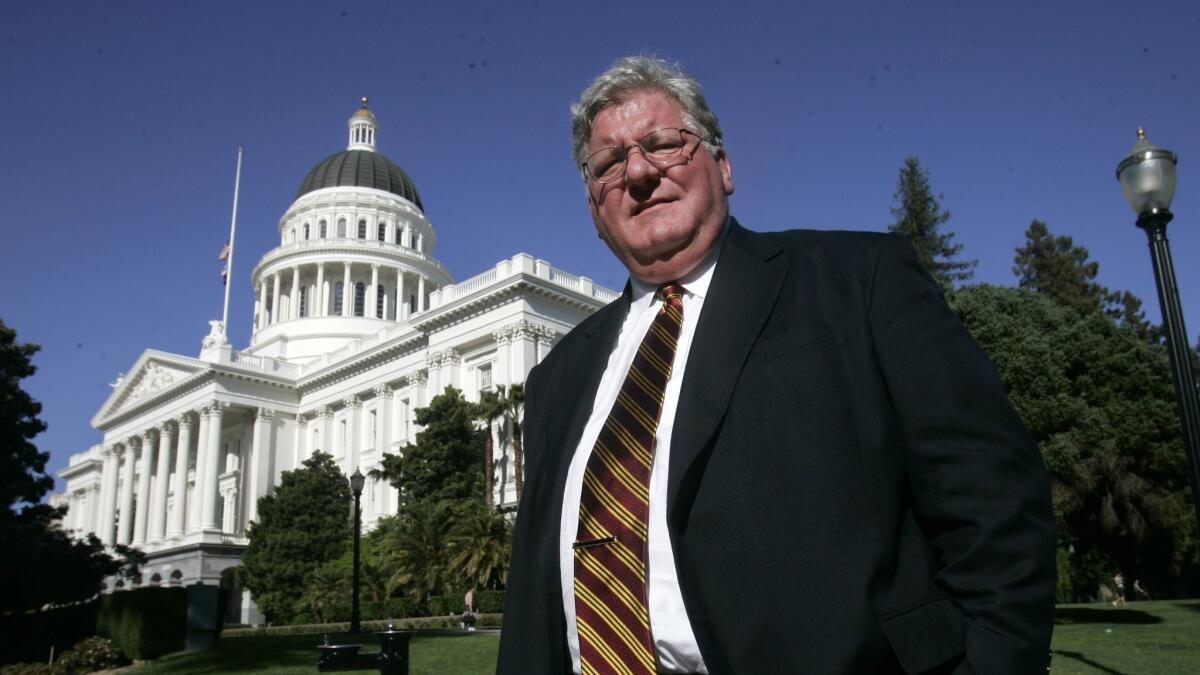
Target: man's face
[[659, 221]]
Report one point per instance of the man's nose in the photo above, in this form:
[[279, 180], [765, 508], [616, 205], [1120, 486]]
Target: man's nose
[[638, 170]]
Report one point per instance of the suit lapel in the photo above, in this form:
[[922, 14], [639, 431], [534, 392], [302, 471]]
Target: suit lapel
[[744, 289]]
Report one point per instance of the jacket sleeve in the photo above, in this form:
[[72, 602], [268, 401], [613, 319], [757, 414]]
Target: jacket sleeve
[[977, 481]]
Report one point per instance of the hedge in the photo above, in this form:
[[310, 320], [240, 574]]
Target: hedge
[[144, 623], [415, 623], [489, 602], [28, 636]]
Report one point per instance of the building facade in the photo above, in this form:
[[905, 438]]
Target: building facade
[[356, 324]]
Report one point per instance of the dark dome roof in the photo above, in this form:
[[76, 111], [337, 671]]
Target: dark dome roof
[[360, 168]]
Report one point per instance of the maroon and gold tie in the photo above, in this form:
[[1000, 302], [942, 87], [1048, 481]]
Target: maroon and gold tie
[[610, 548]]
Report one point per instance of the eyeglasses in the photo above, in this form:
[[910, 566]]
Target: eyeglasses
[[660, 148]]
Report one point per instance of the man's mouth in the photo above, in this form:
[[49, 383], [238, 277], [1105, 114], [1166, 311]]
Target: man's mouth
[[648, 205]]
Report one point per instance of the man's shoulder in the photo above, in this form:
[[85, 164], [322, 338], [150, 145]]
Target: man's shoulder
[[838, 252]]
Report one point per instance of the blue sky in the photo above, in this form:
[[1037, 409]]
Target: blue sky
[[121, 122]]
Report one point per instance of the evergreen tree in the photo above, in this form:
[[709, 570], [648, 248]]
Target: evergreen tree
[[1058, 269], [41, 563], [919, 216], [304, 524], [1099, 401], [443, 465]]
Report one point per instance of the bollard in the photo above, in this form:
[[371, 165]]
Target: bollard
[[393, 650]]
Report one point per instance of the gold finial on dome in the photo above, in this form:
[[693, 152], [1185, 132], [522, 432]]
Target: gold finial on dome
[[364, 103], [1141, 131]]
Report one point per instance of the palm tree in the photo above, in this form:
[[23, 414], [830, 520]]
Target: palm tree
[[323, 589], [513, 401], [418, 551], [480, 546], [489, 408]]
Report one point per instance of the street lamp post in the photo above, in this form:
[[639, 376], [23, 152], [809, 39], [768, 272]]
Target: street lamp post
[[1148, 177], [356, 484]]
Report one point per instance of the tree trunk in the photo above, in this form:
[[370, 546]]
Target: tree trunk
[[487, 466], [518, 459]]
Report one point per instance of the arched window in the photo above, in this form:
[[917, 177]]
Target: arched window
[[291, 235], [323, 232], [341, 232], [337, 298], [399, 234], [412, 303], [306, 232], [381, 233], [303, 301], [360, 298], [380, 298], [362, 229]]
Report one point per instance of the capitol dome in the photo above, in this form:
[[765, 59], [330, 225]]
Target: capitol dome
[[360, 164], [360, 168]]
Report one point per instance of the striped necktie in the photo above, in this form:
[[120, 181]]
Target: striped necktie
[[611, 610]]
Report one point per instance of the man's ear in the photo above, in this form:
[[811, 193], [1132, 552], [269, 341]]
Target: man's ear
[[726, 170]]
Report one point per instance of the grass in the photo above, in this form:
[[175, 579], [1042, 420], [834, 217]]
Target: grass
[[432, 653], [1160, 637]]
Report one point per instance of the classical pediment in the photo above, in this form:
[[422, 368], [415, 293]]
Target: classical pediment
[[153, 374]]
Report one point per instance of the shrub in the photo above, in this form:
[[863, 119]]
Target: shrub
[[443, 606], [145, 623], [489, 602], [29, 636], [90, 655]]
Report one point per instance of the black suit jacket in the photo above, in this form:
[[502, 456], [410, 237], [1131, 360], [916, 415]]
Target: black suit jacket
[[849, 490]]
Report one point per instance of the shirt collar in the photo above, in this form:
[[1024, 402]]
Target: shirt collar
[[695, 283]]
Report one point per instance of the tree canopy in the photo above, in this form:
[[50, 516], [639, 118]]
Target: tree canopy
[[42, 563], [919, 216], [1099, 401], [304, 524]]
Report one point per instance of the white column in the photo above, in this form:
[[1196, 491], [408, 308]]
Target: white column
[[275, 298], [125, 525], [182, 449], [108, 495], [353, 411], [373, 293], [401, 298], [194, 511], [261, 461], [262, 304], [420, 292], [158, 506], [500, 374], [347, 293], [421, 242], [383, 418], [300, 452], [145, 467], [523, 352], [94, 514], [321, 299], [212, 463], [326, 430], [295, 301]]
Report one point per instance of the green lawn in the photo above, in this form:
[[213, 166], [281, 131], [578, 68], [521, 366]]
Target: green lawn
[[431, 654], [1161, 637]]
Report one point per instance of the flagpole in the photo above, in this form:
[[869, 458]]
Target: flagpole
[[237, 181]]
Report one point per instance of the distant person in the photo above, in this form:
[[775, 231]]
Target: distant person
[[1140, 591], [764, 420], [1119, 582]]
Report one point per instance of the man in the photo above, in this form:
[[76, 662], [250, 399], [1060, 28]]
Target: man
[[790, 421]]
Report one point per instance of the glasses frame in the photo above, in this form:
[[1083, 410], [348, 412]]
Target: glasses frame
[[669, 161]]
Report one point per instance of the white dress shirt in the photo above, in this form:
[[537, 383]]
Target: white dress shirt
[[675, 645]]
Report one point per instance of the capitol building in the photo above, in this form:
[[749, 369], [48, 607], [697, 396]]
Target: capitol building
[[356, 324]]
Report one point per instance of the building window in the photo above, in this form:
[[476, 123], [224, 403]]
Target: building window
[[485, 377], [341, 231], [337, 298], [399, 234], [412, 303], [371, 430], [303, 301], [360, 298], [362, 229], [380, 299], [323, 231], [382, 231], [306, 232]]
